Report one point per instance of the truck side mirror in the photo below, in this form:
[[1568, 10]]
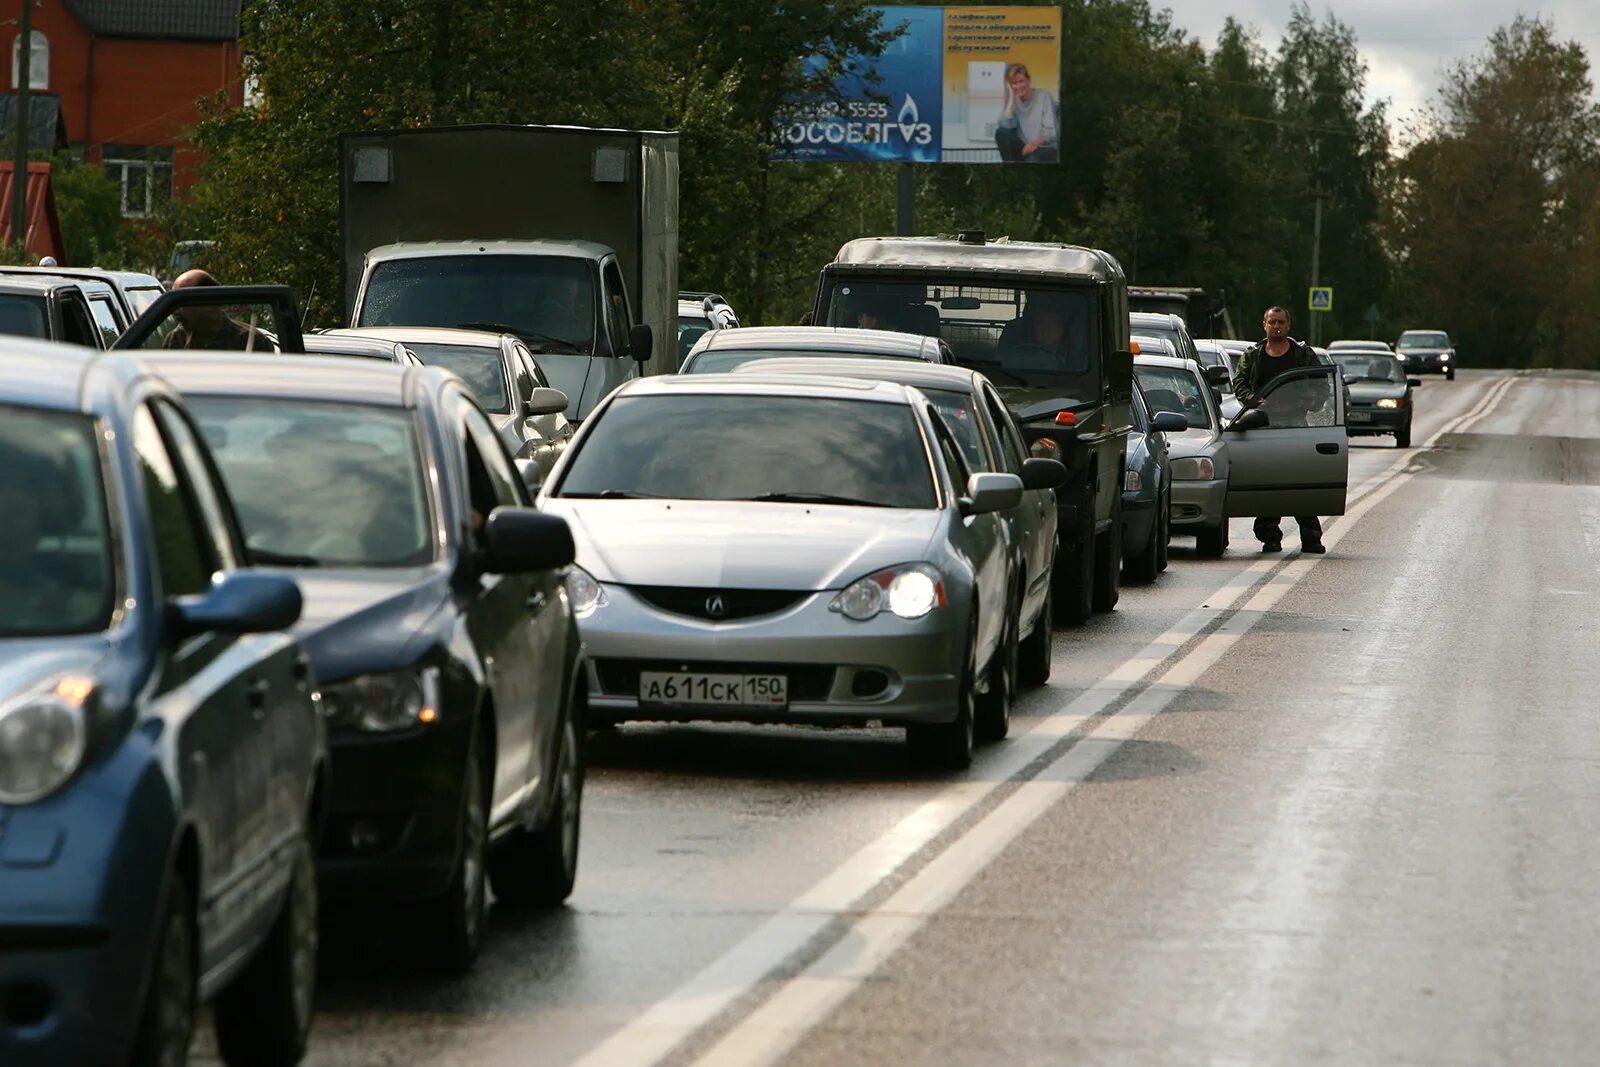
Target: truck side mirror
[[640, 340]]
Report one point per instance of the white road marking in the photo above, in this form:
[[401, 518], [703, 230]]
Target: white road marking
[[800, 1002]]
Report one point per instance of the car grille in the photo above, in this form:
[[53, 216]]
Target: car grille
[[807, 681], [718, 605]]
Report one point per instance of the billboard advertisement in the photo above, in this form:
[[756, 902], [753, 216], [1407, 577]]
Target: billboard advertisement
[[956, 85]]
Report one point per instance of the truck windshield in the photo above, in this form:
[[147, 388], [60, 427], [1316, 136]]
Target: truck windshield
[[1037, 336], [547, 301], [23, 316]]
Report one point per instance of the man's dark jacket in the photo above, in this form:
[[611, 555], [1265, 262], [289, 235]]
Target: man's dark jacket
[[1247, 380]]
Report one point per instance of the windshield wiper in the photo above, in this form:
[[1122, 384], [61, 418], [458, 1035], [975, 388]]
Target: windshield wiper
[[269, 558], [533, 337], [817, 498], [613, 494]]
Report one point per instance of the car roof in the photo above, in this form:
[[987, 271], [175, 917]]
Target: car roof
[[336, 345], [495, 247], [1167, 348], [358, 381], [128, 279], [921, 374], [948, 252], [1156, 318], [1359, 344], [49, 374], [1177, 362], [439, 335], [1211, 346], [830, 338], [768, 385], [44, 284], [87, 282]]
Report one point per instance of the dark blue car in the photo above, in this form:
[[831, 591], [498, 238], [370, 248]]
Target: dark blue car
[[1147, 491], [160, 749]]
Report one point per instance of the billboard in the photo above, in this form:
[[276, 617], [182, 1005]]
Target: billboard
[[956, 85]]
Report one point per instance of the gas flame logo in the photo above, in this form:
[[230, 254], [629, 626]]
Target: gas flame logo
[[908, 118]]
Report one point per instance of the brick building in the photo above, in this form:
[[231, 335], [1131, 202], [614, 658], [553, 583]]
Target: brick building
[[128, 74]]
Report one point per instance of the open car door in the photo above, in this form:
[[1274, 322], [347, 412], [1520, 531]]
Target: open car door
[[219, 318], [1298, 461]]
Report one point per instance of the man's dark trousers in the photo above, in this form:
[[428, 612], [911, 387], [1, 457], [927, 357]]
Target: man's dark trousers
[[1268, 531]]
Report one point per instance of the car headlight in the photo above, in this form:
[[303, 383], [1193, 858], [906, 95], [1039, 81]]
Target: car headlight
[[42, 739], [584, 590], [1135, 482], [1444, 355], [1194, 468], [380, 703], [1391, 403], [909, 591]]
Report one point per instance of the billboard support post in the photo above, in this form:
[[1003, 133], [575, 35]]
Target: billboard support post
[[905, 201]]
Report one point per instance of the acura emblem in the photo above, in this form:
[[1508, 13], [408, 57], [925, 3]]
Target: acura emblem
[[715, 607]]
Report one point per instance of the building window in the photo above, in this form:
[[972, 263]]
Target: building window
[[39, 69], [143, 173]]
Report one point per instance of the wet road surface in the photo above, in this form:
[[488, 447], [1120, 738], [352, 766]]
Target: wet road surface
[[1271, 810]]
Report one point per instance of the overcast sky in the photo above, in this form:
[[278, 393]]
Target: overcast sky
[[1407, 43]]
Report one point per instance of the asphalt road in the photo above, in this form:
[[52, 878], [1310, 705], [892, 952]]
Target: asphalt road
[[1272, 810]]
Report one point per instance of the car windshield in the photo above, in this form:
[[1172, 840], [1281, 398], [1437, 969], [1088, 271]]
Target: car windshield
[[1424, 340], [1040, 337], [1369, 366], [722, 360], [1174, 389], [56, 573], [963, 422], [478, 365], [1210, 356], [547, 301], [690, 329], [24, 316], [319, 484], [1166, 333], [742, 446]]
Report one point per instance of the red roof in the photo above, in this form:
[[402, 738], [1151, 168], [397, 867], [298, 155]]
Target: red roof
[[44, 228]]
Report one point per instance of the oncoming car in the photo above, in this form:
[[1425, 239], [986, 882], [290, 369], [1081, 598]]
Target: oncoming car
[[720, 352], [1427, 352], [1380, 394], [858, 572]]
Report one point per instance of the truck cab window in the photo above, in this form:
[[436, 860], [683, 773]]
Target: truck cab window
[[617, 317]]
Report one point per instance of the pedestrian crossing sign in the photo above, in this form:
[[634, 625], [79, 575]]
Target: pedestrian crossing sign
[[1321, 298]]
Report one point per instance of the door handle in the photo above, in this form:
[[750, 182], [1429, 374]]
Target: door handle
[[1328, 448], [256, 693]]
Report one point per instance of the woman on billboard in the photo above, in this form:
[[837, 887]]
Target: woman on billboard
[[1029, 125]]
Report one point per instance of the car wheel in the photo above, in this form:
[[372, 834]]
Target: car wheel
[[1074, 588], [1450, 375], [1402, 437], [538, 867], [457, 919], [1212, 541], [1033, 653], [948, 745], [992, 708], [1164, 539], [263, 1018], [1145, 564], [1108, 567], [166, 1023]]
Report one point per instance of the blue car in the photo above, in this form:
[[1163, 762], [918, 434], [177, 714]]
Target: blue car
[[1147, 491], [160, 747]]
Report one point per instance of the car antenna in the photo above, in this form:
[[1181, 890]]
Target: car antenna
[[305, 311]]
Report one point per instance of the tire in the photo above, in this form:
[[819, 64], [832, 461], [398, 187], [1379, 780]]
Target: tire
[[454, 924], [1074, 582], [1212, 541], [1145, 564], [166, 1022], [992, 709], [1033, 653], [537, 868], [948, 745], [1108, 567], [1402, 438], [1164, 539], [263, 1018], [1450, 375]]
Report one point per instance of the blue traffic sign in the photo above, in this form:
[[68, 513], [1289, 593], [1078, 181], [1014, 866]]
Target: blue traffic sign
[[1321, 298]]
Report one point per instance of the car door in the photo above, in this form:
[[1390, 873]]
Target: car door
[[502, 612], [77, 324], [982, 540], [1299, 463], [265, 315], [108, 317], [1036, 515]]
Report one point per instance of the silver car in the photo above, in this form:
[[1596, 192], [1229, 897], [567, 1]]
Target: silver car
[[722, 350], [1199, 454], [504, 376], [776, 549]]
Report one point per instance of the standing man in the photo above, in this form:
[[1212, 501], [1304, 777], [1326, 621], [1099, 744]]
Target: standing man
[[212, 327], [1276, 354]]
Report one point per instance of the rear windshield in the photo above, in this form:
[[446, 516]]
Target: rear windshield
[[721, 361], [1172, 389], [547, 301], [690, 329], [24, 316], [754, 447], [1424, 340], [1369, 365], [479, 366], [318, 484], [55, 549]]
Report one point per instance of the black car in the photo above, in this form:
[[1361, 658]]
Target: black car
[[436, 621], [161, 756], [1427, 352], [1380, 395]]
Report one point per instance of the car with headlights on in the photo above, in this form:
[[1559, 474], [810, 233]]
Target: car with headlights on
[[1147, 490], [1351, 345], [1426, 352], [1380, 394], [807, 550], [990, 441], [446, 651], [719, 352], [161, 755], [1198, 454]]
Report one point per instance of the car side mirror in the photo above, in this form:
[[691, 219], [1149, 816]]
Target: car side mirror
[[1169, 422], [1218, 377], [1250, 419], [518, 540], [239, 602], [1040, 473], [1413, 381], [532, 476], [546, 401], [991, 492], [640, 340]]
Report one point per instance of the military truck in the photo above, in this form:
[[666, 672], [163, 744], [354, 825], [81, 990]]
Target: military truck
[[1048, 325], [565, 236]]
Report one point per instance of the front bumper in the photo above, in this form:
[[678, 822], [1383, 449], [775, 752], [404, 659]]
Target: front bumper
[[1370, 421], [1199, 503], [1425, 364], [840, 672]]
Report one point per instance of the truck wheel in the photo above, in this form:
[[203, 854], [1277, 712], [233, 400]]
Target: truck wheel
[[1073, 577], [455, 924], [948, 745], [1108, 568], [1033, 654], [263, 1018], [166, 1024], [538, 867], [1211, 542]]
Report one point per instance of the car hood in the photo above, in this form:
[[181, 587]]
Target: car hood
[[1192, 443], [716, 544], [31, 662], [1367, 391], [363, 620]]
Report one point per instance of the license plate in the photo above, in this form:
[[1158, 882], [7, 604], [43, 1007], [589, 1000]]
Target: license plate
[[714, 690], [1361, 416]]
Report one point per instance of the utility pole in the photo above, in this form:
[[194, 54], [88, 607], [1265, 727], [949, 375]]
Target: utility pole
[[19, 159], [1316, 266]]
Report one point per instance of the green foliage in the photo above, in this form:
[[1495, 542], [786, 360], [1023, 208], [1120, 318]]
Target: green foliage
[[89, 206]]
